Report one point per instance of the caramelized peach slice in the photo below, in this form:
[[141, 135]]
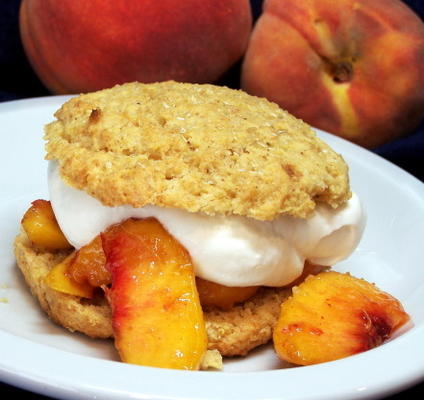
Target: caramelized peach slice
[[60, 280], [333, 315], [42, 228], [81, 272], [224, 297], [156, 314], [89, 265]]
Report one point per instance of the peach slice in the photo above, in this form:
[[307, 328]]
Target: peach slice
[[39, 223], [333, 315], [89, 265], [156, 314], [81, 272], [60, 280], [224, 297]]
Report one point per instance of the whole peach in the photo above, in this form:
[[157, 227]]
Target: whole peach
[[79, 45], [351, 67]]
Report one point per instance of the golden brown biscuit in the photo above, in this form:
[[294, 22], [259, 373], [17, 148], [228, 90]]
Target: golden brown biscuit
[[195, 147], [232, 332]]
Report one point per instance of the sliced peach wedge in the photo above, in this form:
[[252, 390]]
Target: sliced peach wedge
[[156, 313], [59, 279], [220, 296], [41, 227], [89, 265], [333, 315], [81, 272]]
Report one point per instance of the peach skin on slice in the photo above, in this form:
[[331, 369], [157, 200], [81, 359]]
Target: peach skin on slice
[[333, 315], [39, 223], [156, 314]]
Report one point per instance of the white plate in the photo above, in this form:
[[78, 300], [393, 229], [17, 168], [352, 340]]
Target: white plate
[[39, 356]]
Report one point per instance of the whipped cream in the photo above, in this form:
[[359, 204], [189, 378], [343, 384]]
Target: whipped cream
[[230, 250]]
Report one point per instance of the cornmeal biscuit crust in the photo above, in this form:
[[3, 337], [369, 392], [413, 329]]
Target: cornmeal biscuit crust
[[201, 148], [232, 332]]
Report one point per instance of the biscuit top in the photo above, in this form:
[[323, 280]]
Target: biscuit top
[[201, 148]]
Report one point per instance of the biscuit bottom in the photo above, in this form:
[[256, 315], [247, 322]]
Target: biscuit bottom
[[233, 333]]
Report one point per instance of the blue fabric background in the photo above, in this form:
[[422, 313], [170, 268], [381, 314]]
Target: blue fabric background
[[17, 80]]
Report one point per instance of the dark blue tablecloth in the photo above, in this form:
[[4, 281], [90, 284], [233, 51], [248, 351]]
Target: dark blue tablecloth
[[17, 80]]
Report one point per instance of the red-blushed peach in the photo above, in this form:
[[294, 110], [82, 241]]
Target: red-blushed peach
[[333, 315], [351, 67], [156, 313], [79, 46]]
